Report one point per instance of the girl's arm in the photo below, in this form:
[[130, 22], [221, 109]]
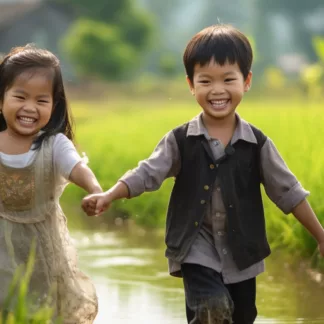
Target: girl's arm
[[82, 176]]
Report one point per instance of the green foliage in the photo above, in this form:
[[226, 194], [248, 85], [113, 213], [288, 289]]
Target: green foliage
[[18, 307], [127, 132], [97, 49], [103, 10], [318, 43], [108, 38], [135, 27], [168, 65], [274, 78], [311, 77]]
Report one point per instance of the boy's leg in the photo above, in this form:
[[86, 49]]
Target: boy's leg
[[243, 295], [207, 299]]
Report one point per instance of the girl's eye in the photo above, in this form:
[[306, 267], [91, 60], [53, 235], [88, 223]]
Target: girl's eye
[[43, 101], [19, 97], [229, 80], [204, 81]]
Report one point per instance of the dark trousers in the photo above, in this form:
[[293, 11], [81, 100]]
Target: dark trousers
[[210, 301]]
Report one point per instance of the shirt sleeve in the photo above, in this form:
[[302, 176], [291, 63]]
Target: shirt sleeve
[[149, 175], [65, 156], [279, 182]]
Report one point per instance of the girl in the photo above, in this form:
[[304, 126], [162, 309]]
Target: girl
[[37, 159]]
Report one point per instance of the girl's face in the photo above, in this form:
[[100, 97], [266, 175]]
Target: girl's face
[[27, 105]]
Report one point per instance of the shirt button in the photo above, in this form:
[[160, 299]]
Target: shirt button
[[218, 189], [224, 251], [218, 215], [202, 202], [196, 224], [212, 166], [215, 143], [217, 165], [220, 233], [230, 206], [206, 187]]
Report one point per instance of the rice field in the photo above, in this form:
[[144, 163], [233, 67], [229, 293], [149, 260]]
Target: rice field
[[117, 134]]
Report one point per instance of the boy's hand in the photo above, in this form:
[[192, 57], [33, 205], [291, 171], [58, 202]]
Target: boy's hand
[[95, 204]]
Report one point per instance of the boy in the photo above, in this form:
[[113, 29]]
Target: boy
[[215, 232]]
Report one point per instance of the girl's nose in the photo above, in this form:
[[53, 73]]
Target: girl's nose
[[29, 106]]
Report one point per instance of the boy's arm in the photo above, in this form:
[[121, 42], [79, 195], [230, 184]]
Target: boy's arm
[[286, 192], [280, 184], [306, 216], [164, 162], [149, 175]]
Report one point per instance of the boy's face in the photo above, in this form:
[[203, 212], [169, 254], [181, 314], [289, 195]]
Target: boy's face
[[219, 89]]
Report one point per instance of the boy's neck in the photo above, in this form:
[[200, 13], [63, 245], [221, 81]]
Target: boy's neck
[[221, 129]]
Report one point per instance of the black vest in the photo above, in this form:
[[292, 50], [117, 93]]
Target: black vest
[[239, 176]]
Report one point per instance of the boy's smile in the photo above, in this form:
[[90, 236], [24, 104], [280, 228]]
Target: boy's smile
[[219, 88]]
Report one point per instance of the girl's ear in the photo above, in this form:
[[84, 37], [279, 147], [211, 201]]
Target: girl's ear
[[248, 82], [191, 86]]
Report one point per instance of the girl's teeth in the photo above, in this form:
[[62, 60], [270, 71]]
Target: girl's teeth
[[27, 120]]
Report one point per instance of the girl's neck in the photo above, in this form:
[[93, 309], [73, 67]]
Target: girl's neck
[[11, 143]]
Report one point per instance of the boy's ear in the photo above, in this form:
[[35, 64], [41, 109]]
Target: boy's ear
[[248, 82], [192, 89]]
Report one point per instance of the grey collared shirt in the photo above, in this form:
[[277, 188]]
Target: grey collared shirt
[[211, 248]]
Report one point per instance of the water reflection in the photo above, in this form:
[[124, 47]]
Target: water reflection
[[133, 285]]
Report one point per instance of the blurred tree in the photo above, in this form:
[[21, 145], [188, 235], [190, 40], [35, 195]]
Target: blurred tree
[[296, 12], [168, 64], [132, 25], [97, 49]]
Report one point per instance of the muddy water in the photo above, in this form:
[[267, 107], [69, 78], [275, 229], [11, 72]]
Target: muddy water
[[133, 285]]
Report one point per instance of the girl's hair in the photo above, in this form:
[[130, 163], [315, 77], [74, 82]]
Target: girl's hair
[[29, 57]]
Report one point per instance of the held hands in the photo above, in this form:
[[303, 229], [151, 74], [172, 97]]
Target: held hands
[[96, 204]]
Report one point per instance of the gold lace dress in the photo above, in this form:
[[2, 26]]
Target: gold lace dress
[[30, 210]]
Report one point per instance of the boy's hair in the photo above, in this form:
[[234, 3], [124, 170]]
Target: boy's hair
[[223, 43], [31, 58]]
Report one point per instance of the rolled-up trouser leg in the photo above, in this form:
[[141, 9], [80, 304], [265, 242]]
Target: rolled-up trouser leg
[[207, 299]]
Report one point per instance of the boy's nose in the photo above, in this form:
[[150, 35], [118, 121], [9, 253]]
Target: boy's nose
[[217, 90]]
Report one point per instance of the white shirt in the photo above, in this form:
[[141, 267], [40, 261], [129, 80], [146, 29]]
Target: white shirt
[[65, 157]]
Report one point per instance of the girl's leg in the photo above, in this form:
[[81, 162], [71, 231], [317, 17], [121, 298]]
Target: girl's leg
[[243, 295], [207, 299]]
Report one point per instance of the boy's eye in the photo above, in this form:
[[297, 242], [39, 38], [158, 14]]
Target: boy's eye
[[204, 81], [19, 97], [229, 80], [43, 101]]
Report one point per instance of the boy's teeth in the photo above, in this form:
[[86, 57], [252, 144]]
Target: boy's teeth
[[218, 102]]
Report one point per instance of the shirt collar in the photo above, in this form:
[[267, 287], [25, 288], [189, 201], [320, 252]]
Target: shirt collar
[[243, 130]]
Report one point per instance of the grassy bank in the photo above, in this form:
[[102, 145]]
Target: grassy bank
[[117, 134]]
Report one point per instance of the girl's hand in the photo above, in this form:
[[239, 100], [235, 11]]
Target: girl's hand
[[321, 248], [96, 204]]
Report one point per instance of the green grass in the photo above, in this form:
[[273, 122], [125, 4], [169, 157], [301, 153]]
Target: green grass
[[18, 307], [117, 134]]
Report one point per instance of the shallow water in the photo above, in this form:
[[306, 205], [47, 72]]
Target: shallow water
[[133, 285]]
